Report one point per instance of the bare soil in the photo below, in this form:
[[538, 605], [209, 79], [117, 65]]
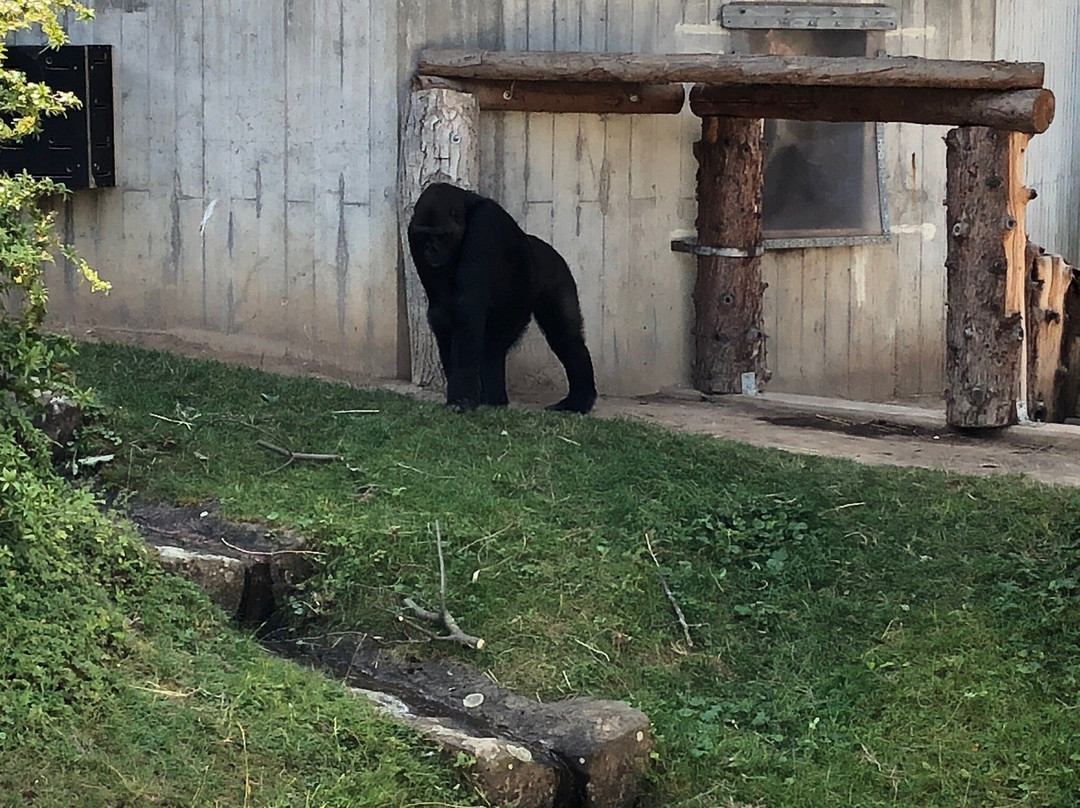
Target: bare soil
[[865, 439]]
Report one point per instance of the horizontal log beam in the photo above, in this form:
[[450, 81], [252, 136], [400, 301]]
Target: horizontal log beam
[[565, 96], [641, 68], [1028, 111]]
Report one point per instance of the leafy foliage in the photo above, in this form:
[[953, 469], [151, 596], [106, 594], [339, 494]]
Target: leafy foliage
[[30, 361]]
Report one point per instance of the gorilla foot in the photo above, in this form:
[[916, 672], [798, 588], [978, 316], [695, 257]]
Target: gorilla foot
[[571, 404], [461, 405]]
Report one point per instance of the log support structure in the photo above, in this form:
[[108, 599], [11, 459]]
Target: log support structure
[[728, 337], [996, 105], [565, 96], [986, 278], [1028, 111], [704, 68]]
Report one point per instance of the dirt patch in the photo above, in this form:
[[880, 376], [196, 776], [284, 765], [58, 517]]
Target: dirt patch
[[866, 429], [1048, 454]]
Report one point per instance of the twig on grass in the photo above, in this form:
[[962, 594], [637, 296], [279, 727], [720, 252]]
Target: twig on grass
[[667, 591], [182, 423], [293, 456], [443, 616], [442, 567], [270, 552], [592, 648]]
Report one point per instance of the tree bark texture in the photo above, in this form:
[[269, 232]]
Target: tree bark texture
[[566, 96], [440, 143], [1051, 278], [985, 201], [1068, 404], [728, 335], [1030, 111], [661, 68]]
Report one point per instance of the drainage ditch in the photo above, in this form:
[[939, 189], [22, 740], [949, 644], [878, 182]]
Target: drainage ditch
[[576, 753]]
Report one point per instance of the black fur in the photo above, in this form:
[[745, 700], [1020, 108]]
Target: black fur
[[485, 278]]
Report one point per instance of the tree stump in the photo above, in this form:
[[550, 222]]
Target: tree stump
[[728, 336], [986, 276], [440, 143]]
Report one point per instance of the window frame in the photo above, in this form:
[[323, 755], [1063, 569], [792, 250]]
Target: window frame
[[745, 20]]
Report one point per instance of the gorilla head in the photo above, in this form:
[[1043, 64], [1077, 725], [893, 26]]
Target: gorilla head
[[438, 226]]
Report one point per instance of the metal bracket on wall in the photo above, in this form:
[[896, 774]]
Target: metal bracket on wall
[[812, 16], [690, 245]]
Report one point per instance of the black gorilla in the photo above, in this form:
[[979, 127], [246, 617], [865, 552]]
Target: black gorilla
[[485, 278]]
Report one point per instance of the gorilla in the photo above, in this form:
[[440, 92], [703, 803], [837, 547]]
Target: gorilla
[[485, 278]]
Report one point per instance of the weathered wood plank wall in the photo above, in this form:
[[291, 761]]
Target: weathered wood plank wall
[[1049, 31], [287, 115], [257, 201]]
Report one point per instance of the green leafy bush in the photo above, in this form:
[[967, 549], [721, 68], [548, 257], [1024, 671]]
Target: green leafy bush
[[30, 361], [63, 565]]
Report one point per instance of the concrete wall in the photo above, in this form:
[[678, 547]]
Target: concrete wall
[[284, 117]]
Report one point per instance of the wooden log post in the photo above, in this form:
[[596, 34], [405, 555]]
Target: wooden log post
[[440, 143], [728, 336], [1051, 278], [1068, 404], [986, 276]]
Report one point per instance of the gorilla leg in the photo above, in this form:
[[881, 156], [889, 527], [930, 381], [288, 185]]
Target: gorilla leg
[[466, 355], [443, 330], [559, 317], [502, 332], [493, 378]]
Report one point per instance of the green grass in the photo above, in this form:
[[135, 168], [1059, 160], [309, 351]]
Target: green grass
[[200, 716], [862, 636]]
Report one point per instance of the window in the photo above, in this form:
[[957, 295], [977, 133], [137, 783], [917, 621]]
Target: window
[[824, 182]]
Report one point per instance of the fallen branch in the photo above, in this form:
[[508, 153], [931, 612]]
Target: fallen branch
[[445, 619], [293, 456], [443, 616], [667, 591]]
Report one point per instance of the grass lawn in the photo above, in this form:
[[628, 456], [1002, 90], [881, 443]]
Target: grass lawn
[[862, 636]]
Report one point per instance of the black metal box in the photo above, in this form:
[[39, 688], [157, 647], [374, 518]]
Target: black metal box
[[76, 149]]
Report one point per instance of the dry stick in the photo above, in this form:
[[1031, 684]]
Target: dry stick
[[321, 458], [668, 592], [442, 567], [447, 620], [270, 552], [443, 617]]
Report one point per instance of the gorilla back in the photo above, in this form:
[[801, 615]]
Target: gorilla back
[[485, 278]]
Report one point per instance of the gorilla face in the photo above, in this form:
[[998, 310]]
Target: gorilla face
[[437, 230]]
